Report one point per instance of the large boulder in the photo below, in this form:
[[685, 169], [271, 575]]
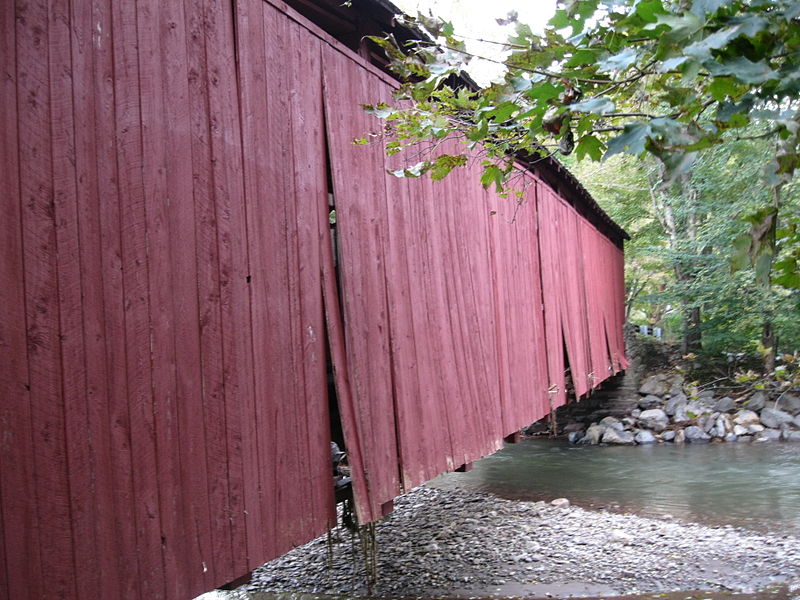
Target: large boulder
[[650, 401], [674, 402], [655, 419], [774, 418], [655, 384], [645, 437], [613, 436], [593, 434], [768, 435], [745, 417], [789, 403], [612, 423], [724, 404], [695, 435], [757, 401]]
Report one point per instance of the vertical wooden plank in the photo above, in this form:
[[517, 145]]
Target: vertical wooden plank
[[201, 439], [21, 563], [118, 425], [156, 74], [258, 507], [310, 182], [42, 296], [227, 156], [134, 243], [104, 562], [79, 470]]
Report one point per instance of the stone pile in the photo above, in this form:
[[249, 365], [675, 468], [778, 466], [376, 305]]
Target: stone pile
[[670, 411]]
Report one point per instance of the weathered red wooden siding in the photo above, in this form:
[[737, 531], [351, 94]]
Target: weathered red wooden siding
[[168, 288]]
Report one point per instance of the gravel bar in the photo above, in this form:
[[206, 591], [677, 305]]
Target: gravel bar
[[462, 543]]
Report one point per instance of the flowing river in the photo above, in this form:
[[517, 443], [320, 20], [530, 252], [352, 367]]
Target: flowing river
[[756, 486]]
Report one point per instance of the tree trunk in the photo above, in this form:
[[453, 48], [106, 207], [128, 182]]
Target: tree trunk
[[692, 336], [769, 342]]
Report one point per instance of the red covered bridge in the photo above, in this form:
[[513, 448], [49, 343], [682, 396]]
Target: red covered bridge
[[172, 297]]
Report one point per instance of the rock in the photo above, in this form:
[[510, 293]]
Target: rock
[[789, 403], [681, 414], [722, 426], [745, 438], [614, 436], [655, 419], [655, 384], [620, 537], [724, 404], [636, 412], [572, 427], [706, 422], [731, 437], [740, 430], [668, 436], [574, 437], [791, 436], [680, 437], [649, 402], [593, 434], [560, 503], [755, 428], [768, 435], [677, 379], [796, 421], [695, 435], [672, 404], [774, 418], [644, 437], [757, 401], [695, 409], [705, 398], [612, 423], [745, 417]]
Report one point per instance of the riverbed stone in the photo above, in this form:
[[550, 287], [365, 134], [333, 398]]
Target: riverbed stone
[[673, 402], [681, 414], [695, 435], [789, 403], [740, 430], [560, 502], [731, 437], [655, 419], [668, 436], [768, 435], [796, 421], [574, 426], [574, 437], [791, 436], [725, 404], [745, 417], [614, 436], [650, 401], [757, 401], [695, 409], [774, 418], [655, 384], [645, 437], [612, 423], [680, 437], [755, 428], [706, 422], [593, 434], [636, 412]]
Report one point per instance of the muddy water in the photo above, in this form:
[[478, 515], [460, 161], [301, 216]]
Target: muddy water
[[741, 484]]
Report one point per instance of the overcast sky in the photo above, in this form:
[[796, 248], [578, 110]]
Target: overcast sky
[[476, 19]]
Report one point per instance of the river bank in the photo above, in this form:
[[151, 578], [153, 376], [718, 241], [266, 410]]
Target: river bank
[[462, 543]]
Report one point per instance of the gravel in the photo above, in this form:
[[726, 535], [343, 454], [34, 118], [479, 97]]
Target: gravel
[[457, 542]]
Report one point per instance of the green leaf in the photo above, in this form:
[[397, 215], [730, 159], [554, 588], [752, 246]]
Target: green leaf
[[590, 146], [492, 174], [617, 62], [543, 92], [632, 140], [721, 88], [444, 164], [701, 49], [707, 7], [743, 69], [599, 106]]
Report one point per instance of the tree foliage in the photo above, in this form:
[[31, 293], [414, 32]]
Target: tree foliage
[[667, 79]]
